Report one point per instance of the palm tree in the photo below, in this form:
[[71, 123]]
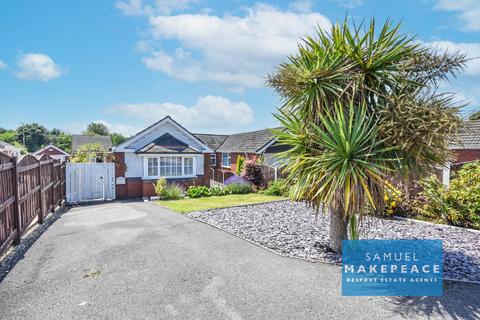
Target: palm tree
[[360, 108]]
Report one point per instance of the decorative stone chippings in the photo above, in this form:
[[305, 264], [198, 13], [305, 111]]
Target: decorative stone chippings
[[292, 229]]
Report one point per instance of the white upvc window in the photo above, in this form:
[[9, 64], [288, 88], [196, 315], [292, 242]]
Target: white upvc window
[[169, 166], [152, 167], [187, 166], [226, 159], [213, 159]]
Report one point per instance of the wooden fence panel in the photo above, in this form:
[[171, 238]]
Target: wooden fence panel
[[8, 229], [272, 173], [29, 189]]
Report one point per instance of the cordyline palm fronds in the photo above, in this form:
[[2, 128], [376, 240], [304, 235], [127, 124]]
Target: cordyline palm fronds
[[392, 79]]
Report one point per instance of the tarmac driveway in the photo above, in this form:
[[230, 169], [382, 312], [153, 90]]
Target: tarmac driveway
[[139, 261]]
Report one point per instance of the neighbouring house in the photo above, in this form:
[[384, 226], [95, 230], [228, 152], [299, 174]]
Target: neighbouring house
[[166, 149], [466, 150], [9, 149], [54, 152], [78, 140]]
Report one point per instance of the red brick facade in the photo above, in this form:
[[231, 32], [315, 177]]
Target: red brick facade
[[51, 152], [138, 188], [466, 155]]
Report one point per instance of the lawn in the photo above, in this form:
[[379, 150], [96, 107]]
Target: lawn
[[188, 205]]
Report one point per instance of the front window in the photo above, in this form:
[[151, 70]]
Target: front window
[[213, 159], [169, 166], [226, 159], [152, 167], [188, 166]]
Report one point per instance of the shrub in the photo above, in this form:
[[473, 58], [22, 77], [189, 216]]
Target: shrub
[[277, 188], [235, 179], [172, 192], [240, 165], [198, 191], [219, 191], [458, 205], [253, 174], [239, 188], [160, 187], [392, 199]]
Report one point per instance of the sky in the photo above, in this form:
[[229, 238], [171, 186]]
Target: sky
[[129, 63]]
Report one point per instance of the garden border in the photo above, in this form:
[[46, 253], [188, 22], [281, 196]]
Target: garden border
[[441, 225], [290, 257]]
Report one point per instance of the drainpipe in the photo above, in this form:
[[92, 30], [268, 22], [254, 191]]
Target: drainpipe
[[446, 174]]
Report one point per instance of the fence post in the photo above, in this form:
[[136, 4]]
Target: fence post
[[16, 206], [52, 176], [42, 205]]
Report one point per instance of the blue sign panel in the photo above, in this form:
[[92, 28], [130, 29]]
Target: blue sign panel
[[392, 268]]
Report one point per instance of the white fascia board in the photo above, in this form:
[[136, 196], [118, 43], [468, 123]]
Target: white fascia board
[[122, 150], [266, 146]]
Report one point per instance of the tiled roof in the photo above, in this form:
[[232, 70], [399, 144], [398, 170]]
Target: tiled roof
[[80, 139], [469, 136], [211, 140], [167, 144], [250, 142]]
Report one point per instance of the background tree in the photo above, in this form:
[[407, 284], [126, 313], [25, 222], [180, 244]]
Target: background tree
[[474, 115], [117, 138], [61, 139], [97, 128], [360, 107], [89, 152], [33, 136], [8, 136]]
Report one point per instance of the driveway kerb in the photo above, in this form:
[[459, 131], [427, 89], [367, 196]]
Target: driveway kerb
[[284, 255]]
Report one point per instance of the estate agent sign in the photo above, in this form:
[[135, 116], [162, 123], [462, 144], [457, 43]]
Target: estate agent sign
[[392, 268]]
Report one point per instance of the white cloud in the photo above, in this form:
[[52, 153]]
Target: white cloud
[[472, 50], [208, 112], [350, 4], [38, 66], [125, 129], [141, 7], [236, 50], [468, 12], [302, 6], [3, 65]]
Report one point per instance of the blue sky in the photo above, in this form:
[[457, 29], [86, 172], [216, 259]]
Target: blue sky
[[128, 63]]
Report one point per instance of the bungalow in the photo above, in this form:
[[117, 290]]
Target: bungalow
[[9, 149], [54, 152], [166, 149], [467, 150]]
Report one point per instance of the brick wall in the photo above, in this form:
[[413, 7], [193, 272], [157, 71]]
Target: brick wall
[[52, 152], [234, 157], [138, 188], [120, 189], [465, 155]]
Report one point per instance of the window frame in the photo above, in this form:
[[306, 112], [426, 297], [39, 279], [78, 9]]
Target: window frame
[[170, 161], [214, 164], [229, 157]]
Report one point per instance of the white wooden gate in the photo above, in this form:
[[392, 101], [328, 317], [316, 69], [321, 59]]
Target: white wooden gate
[[90, 182]]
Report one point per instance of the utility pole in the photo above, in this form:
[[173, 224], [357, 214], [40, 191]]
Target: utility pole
[[23, 133]]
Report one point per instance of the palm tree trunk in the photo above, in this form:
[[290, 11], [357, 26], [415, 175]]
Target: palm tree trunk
[[338, 229]]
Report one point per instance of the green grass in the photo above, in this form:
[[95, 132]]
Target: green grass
[[188, 205]]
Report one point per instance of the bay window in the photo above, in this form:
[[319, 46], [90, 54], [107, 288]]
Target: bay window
[[187, 166], [152, 167], [169, 166]]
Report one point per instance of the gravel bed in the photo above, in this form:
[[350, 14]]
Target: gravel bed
[[292, 229]]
